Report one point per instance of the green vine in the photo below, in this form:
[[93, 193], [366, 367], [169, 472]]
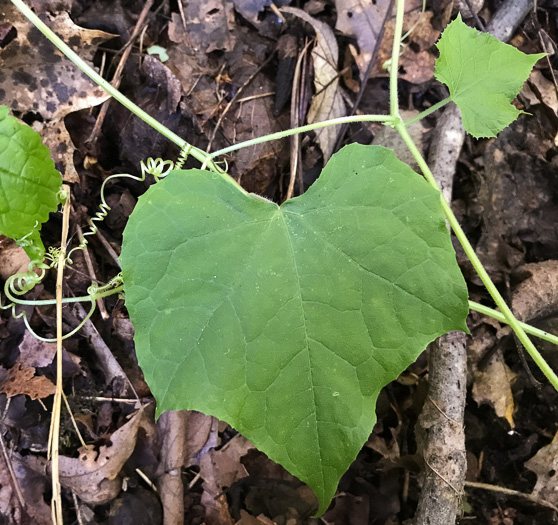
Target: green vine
[[21, 283]]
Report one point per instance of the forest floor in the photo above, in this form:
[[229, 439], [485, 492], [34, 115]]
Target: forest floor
[[223, 73]]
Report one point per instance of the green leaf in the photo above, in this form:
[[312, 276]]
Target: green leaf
[[29, 184], [483, 75], [287, 321]]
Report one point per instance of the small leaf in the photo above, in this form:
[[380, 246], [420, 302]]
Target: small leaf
[[29, 183], [483, 75], [286, 321]]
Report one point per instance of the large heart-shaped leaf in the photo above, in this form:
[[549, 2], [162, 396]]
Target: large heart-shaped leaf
[[287, 321], [483, 75], [29, 183]]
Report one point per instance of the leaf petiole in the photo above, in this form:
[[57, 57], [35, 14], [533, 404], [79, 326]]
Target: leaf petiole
[[387, 119], [428, 111], [499, 316]]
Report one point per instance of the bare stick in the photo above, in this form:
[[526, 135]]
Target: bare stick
[[510, 492], [54, 435], [120, 68], [443, 439]]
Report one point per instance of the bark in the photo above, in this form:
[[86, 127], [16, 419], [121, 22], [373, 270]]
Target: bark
[[172, 429]]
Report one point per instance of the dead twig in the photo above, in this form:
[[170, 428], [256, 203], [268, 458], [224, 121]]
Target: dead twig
[[364, 79], [295, 121], [172, 430], [510, 492], [107, 362], [443, 440], [119, 70], [54, 433], [9, 466]]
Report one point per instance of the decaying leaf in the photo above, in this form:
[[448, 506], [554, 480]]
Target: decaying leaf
[[13, 259], [248, 519], [209, 25], [416, 62], [390, 138], [31, 487], [251, 9], [227, 460], [22, 380], [362, 19], [537, 295], [328, 100], [213, 497], [545, 465], [36, 77], [492, 383], [34, 352], [93, 475], [198, 435], [57, 139], [254, 167]]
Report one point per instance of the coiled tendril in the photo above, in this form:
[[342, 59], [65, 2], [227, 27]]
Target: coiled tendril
[[21, 283]]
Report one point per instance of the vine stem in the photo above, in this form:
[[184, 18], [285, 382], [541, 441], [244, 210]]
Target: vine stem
[[100, 81], [479, 268], [490, 312], [393, 120], [301, 129], [394, 69]]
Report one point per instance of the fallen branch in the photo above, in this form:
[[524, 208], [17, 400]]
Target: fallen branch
[[440, 427]]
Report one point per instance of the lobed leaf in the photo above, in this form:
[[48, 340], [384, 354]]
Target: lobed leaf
[[286, 321], [483, 76], [29, 183]]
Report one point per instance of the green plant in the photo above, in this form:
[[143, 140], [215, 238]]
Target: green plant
[[286, 321]]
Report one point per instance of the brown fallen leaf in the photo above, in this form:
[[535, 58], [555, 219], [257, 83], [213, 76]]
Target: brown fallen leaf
[[256, 167], [213, 498], [492, 384], [36, 77], [31, 487], [21, 379], [390, 138], [248, 519], [57, 139], [362, 19], [209, 25], [227, 460], [198, 435], [545, 465], [35, 353], [13, 259], [327, 103], [537, 295], [93, 476], [251, 10], [416, 62]]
